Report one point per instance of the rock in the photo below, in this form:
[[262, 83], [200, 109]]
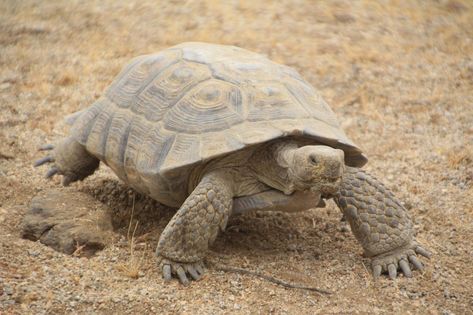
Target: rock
[[33, 253], [292, 247], [68, 221], [8, 290]]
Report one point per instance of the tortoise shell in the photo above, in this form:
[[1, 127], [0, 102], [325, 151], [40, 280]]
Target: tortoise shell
[[165, 113]]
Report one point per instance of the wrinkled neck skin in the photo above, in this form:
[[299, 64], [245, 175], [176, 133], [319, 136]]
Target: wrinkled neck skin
[[271, 165], [253, 170], [235, 167]]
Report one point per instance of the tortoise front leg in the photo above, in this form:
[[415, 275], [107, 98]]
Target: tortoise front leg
[[185, 240], [380, 223]]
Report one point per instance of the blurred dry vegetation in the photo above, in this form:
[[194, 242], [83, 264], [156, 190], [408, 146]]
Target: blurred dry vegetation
[[399, 75]]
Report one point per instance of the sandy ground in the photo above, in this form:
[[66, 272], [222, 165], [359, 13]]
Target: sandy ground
[[399, 75]]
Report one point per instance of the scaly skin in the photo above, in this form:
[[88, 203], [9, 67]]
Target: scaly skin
[[185, 240], [380, 223]]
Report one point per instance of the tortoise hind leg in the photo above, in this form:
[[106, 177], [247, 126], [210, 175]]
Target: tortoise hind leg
[[70, 159]]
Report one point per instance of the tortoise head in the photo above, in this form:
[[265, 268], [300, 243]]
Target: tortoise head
[[318, 168]]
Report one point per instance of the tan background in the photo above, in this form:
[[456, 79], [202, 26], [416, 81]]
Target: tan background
[[398, 74]]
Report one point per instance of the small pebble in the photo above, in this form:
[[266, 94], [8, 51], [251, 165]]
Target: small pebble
[[5, 86], [8, 290], [33, 253]]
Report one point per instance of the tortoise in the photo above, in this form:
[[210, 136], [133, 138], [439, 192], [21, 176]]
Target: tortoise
[[216, 130]]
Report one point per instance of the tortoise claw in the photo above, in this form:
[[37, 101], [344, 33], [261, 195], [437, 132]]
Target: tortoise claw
[[193, 272], [52, 171], [406, 270], [392, 270], [422, 251], [399, 259], [44, 160], [185, 272], [182, 275], [416, 262], [167, 272], [68, 158], [46, 147], [377, 269]]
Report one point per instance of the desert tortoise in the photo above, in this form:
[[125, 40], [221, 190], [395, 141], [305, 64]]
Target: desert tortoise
[[217, 129]]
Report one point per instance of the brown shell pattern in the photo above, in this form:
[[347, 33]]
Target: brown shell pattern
[[166, 112]]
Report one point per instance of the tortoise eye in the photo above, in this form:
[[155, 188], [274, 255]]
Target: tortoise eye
[[313, 159]]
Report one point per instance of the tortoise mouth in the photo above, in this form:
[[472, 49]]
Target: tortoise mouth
[[332, 179], [329, 191], [330, 186]]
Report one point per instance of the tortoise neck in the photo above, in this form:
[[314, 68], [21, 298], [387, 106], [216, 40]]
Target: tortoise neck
[[271, 163]]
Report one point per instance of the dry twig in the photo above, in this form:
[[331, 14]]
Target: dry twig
[[270, 279]]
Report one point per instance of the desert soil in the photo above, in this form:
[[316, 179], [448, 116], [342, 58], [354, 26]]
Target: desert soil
[[398, 74]]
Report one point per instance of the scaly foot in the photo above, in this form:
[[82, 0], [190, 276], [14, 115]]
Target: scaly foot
[[70, 159], [380, 223], [182, 270], [55, 168], [398, 259]]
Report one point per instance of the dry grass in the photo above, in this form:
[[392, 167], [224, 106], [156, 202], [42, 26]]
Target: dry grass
[[133, 267], [462, 156]]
